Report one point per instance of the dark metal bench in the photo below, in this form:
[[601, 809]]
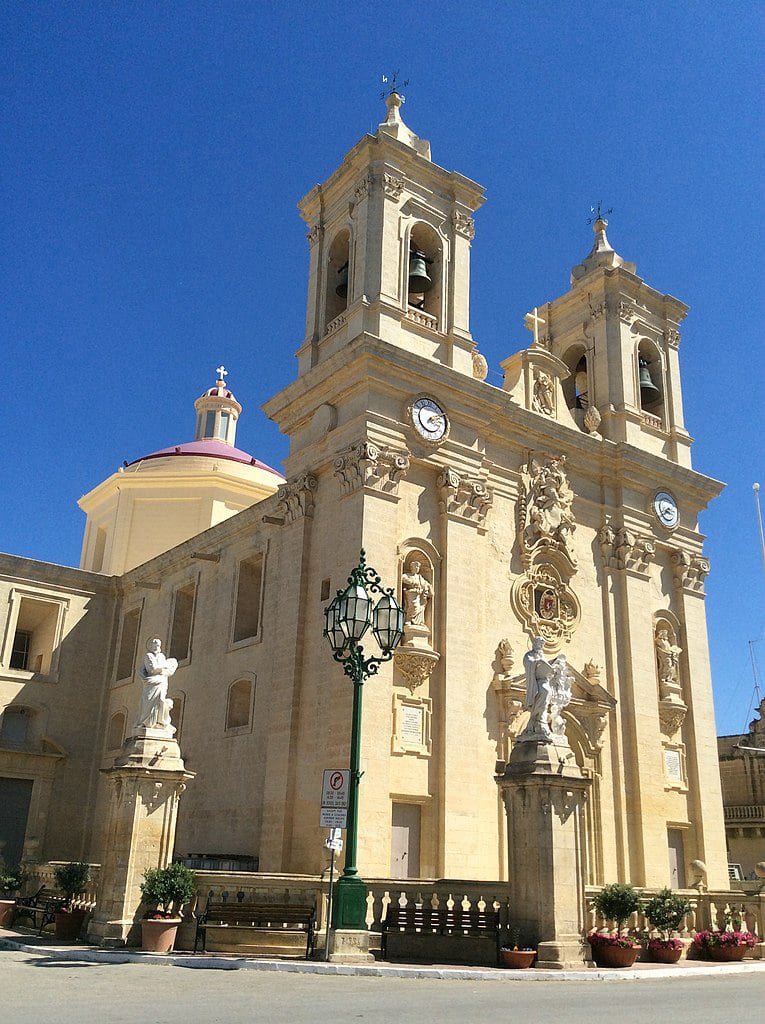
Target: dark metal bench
[[41, 907], [288, 919], [443, 933]]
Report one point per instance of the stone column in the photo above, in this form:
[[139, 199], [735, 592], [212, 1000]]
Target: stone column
[[146, 782], [544, 793]]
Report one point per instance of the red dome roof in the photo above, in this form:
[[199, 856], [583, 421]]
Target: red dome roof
[[211, 449]]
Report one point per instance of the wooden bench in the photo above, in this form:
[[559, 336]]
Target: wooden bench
[[234, 923], [442, 934], [42, 907]]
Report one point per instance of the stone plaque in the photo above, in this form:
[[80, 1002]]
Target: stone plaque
[[673, 765], [411, 724]]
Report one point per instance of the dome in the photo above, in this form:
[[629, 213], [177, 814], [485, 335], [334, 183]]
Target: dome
[[207, 448]]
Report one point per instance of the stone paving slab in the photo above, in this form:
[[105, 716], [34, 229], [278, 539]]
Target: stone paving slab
[[47, 945]]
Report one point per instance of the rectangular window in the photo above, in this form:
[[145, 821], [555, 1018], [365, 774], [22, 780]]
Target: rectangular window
[[210, 425], [247, 615], [128, 640], [20, 649], [223, 426], [34, 641], [183, 614]]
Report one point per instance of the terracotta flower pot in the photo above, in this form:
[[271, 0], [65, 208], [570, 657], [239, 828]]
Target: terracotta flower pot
[[606, 955], [158, 934], [518, 959], [6, 912], [726, 954], [665, 955], [69, 924]]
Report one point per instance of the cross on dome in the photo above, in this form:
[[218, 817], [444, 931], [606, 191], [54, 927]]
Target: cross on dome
[[222, 373]]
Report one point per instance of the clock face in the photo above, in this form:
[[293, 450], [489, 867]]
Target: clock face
[[665, 509], [429, 419]]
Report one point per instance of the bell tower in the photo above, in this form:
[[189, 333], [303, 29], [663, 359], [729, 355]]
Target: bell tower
[[389, 235]]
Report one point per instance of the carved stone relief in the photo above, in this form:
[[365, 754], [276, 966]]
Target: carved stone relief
[[480, 366], [463, 224], [365, 464], [545, 518], [545, 604], [543, 397], [689, 571]]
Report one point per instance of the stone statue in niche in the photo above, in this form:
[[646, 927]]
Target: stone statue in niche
[[543, 398], [154, 672], [417, 592], [668, 659], [545, 509], [548, 691]]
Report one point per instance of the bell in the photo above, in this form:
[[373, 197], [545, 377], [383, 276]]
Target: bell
[[342, 282], [648, 391], [419, 282]]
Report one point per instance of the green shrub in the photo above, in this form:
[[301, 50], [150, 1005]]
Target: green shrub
[[168, 888], [72, 878], [615, 902], [666, 910], [11, 880]]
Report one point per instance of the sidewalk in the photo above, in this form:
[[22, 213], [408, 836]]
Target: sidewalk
[[50, 947]]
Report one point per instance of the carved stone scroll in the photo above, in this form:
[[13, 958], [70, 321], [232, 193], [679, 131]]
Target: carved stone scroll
[[623, 548], [466, 497], [365, 464], [296, 497]]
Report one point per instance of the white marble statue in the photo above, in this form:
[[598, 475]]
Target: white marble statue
[[548, 691], [154, 672], [417, 592], [668, 656]]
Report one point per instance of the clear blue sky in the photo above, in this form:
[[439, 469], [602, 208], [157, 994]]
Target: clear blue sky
[[153, 154]]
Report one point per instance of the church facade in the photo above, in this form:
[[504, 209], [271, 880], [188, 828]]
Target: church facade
[[562, 505]]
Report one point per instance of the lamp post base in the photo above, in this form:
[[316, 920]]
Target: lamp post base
[[350, 946], [349, 910]]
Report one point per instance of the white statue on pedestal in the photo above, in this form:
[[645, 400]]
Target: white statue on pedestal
[[417, 592], [548, 691], [154, 672]]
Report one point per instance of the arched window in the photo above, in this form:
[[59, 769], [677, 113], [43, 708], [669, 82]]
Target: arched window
[[116, 731], [338, 283], [650, 380], [576, 387], [424, 279], [239, 708]]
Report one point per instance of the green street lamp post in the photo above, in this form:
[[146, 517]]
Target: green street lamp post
[[347, 619]]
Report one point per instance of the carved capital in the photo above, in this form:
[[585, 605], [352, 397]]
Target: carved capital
[[462, 496], [365, 464], [295, 498], [598, 311], [627, 312], [689, 571], [393, 186], [363, 188], [314, 235], [625, 549], [672, 337], [463, 224]]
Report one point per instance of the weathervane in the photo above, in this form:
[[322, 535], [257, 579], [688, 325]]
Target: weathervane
[[390, 80], [598, 213]]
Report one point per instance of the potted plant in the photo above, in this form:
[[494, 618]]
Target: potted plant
[[10, 883], [615, 902], [515, 955], [724, 945], [164, 890], [665, 912], [71, 879]]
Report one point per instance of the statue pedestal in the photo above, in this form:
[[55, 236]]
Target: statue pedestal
[[544, 792], [146, 782]]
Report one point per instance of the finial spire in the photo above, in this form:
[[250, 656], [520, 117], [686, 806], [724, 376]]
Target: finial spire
[[393, 125], [602, 253], [222, 374]]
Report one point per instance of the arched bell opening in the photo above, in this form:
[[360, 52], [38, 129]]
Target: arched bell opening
[[424, 277], [338, 277], [576, 387], [649, 375]]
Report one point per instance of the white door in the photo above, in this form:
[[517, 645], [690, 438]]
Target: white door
[[676, 858], [405, 841]]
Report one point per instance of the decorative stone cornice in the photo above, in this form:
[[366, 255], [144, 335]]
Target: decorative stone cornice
[[623, 548], [463, 224], [295, 498], [466, 497], [365, 464], [689, 571]]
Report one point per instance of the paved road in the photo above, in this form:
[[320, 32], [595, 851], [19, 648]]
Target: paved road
[[37, 989]]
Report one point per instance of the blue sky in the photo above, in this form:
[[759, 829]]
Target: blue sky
[[153, 155]]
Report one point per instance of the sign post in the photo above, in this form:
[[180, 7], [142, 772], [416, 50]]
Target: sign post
[[334, 843], [334, 816]]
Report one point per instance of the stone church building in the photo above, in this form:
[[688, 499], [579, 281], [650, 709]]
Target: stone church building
[[562, 505]]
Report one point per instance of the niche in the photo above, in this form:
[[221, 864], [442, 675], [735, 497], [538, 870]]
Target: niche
[[338, 277], [649, 367], [424, 276]]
